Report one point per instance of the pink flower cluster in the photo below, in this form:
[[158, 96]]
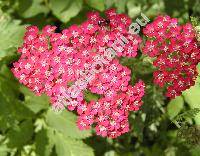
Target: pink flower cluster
[[176, 54], [111, 115], [51, 62]]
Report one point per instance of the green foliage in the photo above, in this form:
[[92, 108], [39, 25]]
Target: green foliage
[[187, 115], [71, 147], [11, 34], [43, 143], [97, 4], [65, 123], [190, 133], [186, 131], [29, 127], [33, 102], [21, 134], [174, 107], [30, 8], [88, 96], [64, 10], [191, 96], [196, 24]]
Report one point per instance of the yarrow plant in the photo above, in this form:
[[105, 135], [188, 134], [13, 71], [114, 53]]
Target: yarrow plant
[[52, 63], [176, 54], [86, 58]]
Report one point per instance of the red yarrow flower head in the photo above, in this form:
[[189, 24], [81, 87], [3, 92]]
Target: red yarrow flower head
[[176, 54], [63, 65]]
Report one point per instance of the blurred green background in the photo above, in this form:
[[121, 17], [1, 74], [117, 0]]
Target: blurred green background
[[28, 127]]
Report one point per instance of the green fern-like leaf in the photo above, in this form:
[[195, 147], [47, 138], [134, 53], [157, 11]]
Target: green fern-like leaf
[[187, 132], [190, 133], [196, 24], [186, 115]]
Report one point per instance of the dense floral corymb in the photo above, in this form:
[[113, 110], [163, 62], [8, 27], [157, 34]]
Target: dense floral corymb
[[52, 63], [176, 51]]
